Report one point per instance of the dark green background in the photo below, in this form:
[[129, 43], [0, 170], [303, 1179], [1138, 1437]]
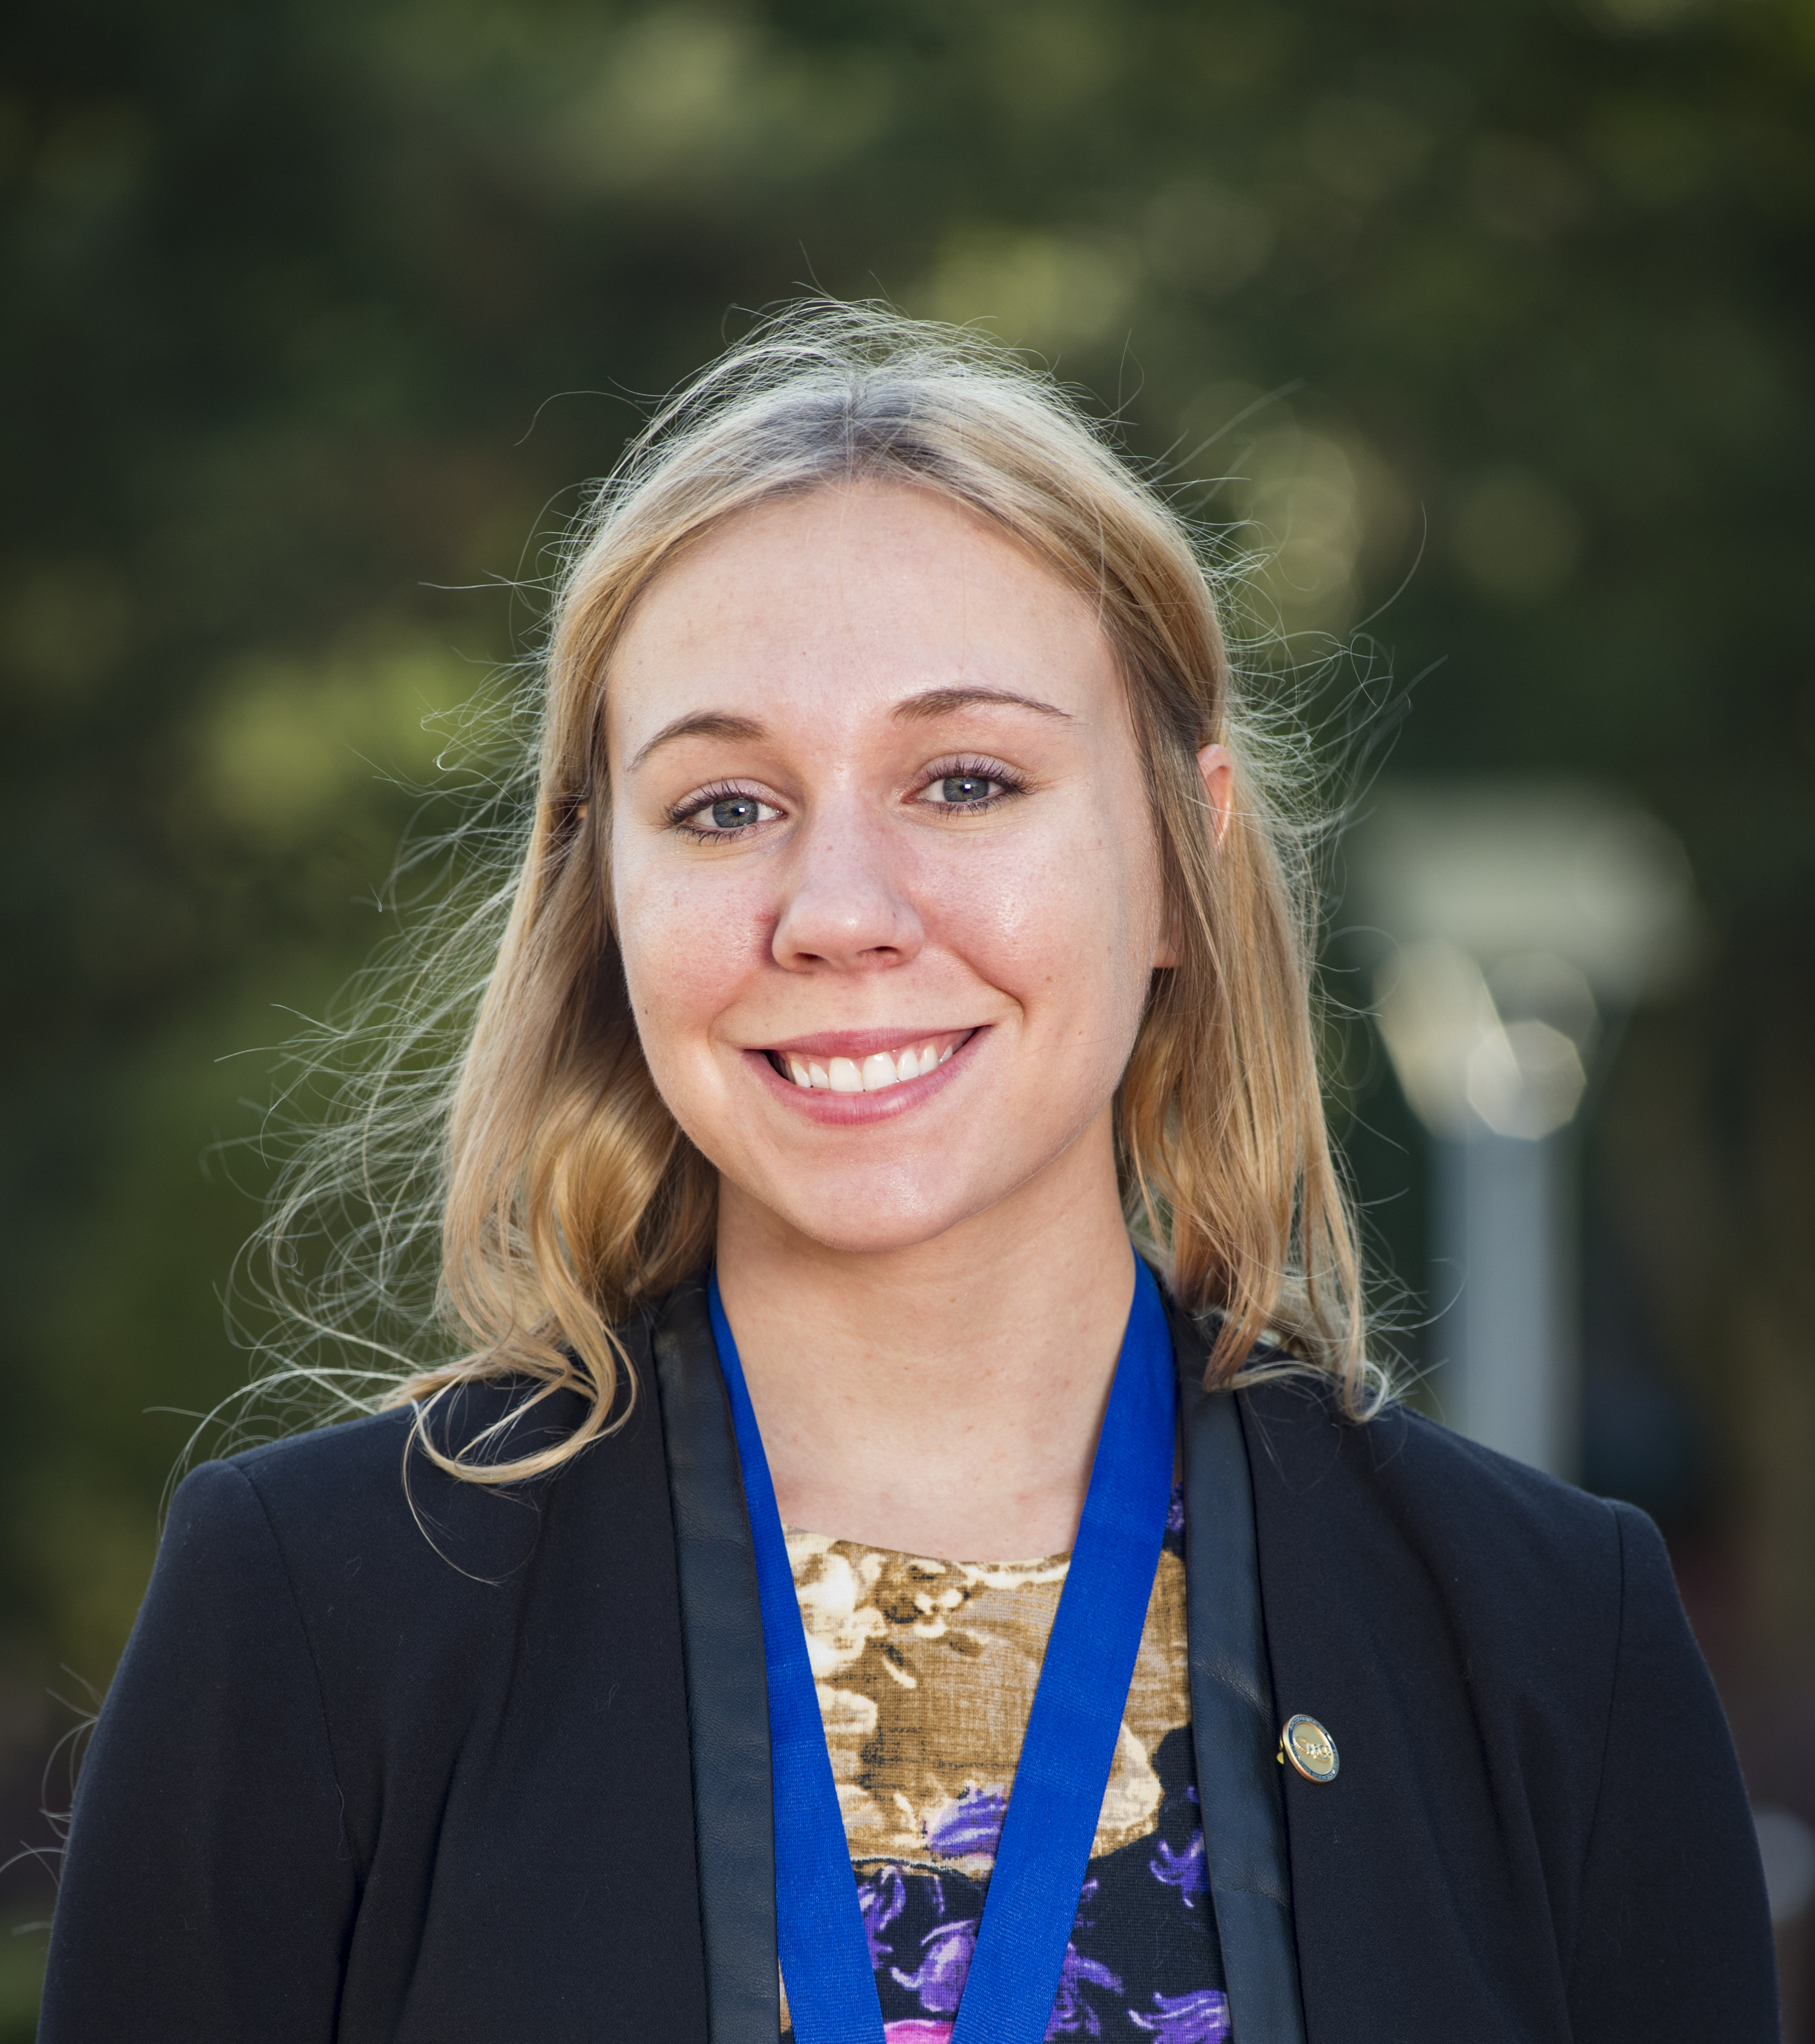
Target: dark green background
[[315, 316]]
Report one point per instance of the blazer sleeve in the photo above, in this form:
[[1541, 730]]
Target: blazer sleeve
[[209, 1890], [1674, 1930]]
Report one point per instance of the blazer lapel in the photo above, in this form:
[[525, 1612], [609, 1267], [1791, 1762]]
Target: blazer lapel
[[728, 1689], [1234, 1729]]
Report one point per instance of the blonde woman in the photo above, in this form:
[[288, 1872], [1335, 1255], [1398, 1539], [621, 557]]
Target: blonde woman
[[843, 1587]]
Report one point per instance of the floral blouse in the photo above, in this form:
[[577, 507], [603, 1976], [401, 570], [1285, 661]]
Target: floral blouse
[[925, 1672]]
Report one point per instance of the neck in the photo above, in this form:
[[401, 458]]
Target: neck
[[942, 1399]]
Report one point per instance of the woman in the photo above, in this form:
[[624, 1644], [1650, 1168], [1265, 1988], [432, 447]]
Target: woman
[[905, 915]]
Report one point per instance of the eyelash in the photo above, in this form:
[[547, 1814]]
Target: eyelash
[[724, 791], [1006, 780], [1010, 783]]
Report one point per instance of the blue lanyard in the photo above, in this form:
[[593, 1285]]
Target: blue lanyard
[[1066, 1756]]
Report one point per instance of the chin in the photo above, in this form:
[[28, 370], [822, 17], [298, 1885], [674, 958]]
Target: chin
[[879, 1235], [881, 1241], [871, 1221]]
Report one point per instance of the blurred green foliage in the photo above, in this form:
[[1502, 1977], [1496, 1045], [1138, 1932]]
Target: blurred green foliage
[[315, 316]]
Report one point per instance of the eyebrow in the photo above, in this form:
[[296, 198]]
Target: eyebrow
[[941, 702], [702, 723], [915, 710]]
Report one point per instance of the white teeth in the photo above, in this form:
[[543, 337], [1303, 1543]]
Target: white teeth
[[877, 1073]]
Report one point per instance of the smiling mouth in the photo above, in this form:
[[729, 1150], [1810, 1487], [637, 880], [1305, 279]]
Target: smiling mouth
[[874, 1073]]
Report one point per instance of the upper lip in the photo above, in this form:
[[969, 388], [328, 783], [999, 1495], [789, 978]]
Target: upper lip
[[857, 1044]]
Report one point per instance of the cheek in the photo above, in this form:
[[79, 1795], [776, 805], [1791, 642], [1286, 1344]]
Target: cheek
[[687, 950], [1065, 923]]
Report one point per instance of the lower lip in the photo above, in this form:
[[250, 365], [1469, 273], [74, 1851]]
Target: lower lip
[[861, 1110]]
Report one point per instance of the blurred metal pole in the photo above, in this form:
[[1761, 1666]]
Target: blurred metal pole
[[1504, 1281], [1505, 920]]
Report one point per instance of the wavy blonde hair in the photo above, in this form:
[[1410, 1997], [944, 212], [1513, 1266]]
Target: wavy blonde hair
[[570, 1197]]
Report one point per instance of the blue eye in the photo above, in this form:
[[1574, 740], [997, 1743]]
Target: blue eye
[[977, 785], [958, 789], [724, 813]]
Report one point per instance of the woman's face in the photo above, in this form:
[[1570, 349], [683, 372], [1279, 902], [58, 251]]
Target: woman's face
[[884, 876]]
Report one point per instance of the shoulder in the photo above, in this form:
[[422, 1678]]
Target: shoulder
[[363, 1500], [412, 1589], [1399, 1508], [368, 1478], [231, 1517], [1304, 1444], [1300, 1430], [360, 1465], [1504, 1663]]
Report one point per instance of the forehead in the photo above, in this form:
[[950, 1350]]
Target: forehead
[[846, 600]]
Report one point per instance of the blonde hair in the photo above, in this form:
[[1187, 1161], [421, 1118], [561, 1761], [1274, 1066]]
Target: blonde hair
[[570, 1197]]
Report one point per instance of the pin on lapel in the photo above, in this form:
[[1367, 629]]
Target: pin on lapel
[[1309, 1747]]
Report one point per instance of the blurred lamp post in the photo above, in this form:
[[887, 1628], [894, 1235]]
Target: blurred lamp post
[[1514, 916]]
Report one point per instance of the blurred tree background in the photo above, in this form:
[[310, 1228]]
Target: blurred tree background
[[316, 315]]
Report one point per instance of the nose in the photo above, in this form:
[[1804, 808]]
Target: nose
[[849, 905]]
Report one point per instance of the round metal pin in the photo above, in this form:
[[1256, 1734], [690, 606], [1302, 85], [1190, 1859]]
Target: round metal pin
[[1309, 1747]]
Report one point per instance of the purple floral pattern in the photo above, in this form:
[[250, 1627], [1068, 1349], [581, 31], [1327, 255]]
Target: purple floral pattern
[[1202, 2017], [1187, 1871], [881, 1897], [938, 1982], [972, 1824], [1072, 2012]]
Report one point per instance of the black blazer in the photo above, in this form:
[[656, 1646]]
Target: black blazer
[[380, 1769]]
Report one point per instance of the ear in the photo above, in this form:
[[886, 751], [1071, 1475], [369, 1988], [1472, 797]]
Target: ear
[[1216, 765]]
